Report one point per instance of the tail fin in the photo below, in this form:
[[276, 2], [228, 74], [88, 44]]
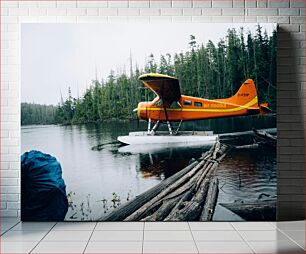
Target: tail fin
[[246, 95]]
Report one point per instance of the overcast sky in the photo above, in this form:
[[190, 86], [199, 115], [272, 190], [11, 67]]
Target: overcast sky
[[56, 56]]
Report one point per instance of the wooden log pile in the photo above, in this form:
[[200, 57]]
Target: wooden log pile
[[261, 138], [189, 195], [265, 210], [265, 138]]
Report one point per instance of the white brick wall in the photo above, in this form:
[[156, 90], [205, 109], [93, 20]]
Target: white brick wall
[[291, 72]]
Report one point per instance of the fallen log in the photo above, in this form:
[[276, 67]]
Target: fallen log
[[253, 211], [261, 138], [187, 196], [210, 202], [138, 214], [191, 210], [210, 168], [224, 136], [180, 199], [177, 188], [265, 137], [170, 205], [128, 208], [252, 146], [163, 210], [264, 134]]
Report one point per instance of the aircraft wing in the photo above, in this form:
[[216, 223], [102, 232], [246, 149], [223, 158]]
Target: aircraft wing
[[166, 87]]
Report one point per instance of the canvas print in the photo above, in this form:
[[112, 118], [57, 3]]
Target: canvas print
[[148, 122]]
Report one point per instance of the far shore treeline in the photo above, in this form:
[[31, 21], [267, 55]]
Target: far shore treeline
[[208, 71]]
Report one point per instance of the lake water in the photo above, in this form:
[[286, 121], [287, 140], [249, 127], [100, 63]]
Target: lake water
[[101, 175]]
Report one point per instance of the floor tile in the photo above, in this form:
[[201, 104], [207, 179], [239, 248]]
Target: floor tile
[[120, 226], [167, 236], [297, 236], [33, 226], [301, 243], [114, 247], [60, 247], [23, 236], [276, 247], [166, 226], [5, 229], [273, 223], [253, 226], [69, 236], [99, 236], [222, 226], [216, 236], [223, 247], [17, 247], [169, 247], [69, 226], [273, 235], [291, 225], [6, 224]]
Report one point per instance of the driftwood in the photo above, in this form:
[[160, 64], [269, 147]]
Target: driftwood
[[191, 210], [261, 138], [138, 214], [265, 137], [225, 136], [180, 197], [128, 208], [181, 186], [187, 196], [252, 146], [163, 210], [210, 202], [265, 210]]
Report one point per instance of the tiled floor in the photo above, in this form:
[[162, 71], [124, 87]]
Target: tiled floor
[[150, 237]]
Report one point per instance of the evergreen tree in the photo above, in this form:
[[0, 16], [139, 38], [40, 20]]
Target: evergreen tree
[[214, 70]]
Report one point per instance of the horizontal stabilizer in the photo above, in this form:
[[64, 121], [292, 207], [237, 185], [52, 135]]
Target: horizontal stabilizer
[[264, 109], [253, 111]]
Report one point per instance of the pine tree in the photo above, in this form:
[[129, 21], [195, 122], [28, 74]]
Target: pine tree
[[214, 70]]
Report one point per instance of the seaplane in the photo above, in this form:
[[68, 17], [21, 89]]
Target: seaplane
[[170, 106]]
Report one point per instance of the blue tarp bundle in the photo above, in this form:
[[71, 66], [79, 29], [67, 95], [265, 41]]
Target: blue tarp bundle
[[43, 190]]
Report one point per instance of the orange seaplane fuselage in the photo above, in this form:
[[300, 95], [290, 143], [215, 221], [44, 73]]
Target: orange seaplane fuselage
[[187, 108]]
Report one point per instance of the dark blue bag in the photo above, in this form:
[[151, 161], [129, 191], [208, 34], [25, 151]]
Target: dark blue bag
[[43, 190]]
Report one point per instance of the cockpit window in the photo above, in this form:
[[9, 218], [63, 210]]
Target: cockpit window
[[159, 103], [187, 103], [175, 104]]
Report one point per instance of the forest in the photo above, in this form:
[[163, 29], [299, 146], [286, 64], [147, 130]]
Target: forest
[[32, 113], [208, 71]]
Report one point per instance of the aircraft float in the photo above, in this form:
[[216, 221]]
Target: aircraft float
[[171, 106]]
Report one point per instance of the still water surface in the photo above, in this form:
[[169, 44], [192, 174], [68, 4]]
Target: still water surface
[[100, 174]]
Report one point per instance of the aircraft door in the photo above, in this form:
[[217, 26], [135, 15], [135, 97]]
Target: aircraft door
[[175, 111]]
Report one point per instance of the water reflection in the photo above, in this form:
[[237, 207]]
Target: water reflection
[[98, 180], [167, 162], [246, 176]]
